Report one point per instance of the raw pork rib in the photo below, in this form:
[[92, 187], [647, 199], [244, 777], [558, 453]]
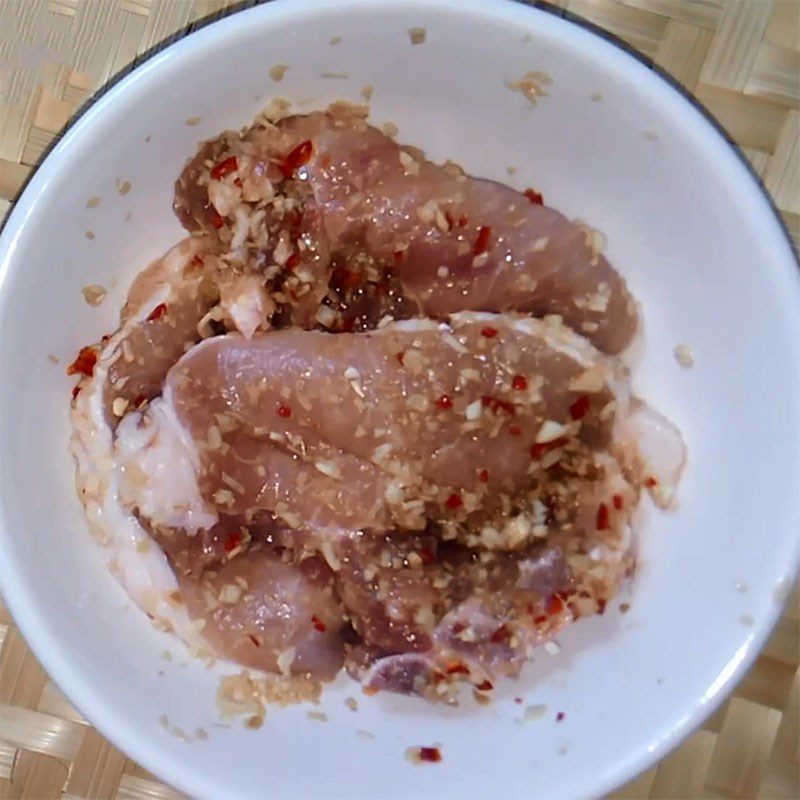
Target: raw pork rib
[[367, 415]]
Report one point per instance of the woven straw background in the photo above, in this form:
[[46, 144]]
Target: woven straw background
[[739, 57]]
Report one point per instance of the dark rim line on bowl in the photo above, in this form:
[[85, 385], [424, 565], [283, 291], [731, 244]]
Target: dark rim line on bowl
[[680, 728], [541, 5]]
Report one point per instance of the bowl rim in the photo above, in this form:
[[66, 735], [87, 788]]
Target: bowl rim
[[575, 32]]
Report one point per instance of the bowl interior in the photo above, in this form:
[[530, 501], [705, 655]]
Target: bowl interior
[[686, 225]]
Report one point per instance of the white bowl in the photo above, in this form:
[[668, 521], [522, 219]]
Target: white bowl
[[687, 225]]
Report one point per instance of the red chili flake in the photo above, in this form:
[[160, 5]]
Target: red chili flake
[[292, 261], [348, 323], [573, 609], [138, 400], [431, 755], [449, 219], [602, 522], [457, 627], [502, 634], [454, 501], [238, 183], [457, 669], [84, 363], [399, 256], [540, 448], [540, 620], [197, 262], [325, 160], [233, 540], [485, 686], [370, 690], [580, 407], [224, 168], [76, 390], [157, 312], [560, 716], [462, 221], [601, 605], [482, 242], [488, 332], [318, 624], [515, 430], [519, 382], [216, 220], [651, 482], [284, 411], [617, 501], [555, 605], [534, 197], [296, 158], [445, 402], [254, 639], [483, 476], [427, 555], [347, 278], [401, 357]]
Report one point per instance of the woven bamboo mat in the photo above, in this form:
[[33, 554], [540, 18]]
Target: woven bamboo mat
[[741, 58]]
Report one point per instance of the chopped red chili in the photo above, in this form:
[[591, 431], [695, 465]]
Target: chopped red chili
[[445, 402], [483, 476], [84, 362], [157, 312], [540, 448], [601, 605], [76, 390], [454, 502], [284, 411], [233, 540], [318, 624], [138, 400], [555, 605], [292, 261], [485, 686], [462, 221], [489, 332], [431, 755], [580, 407], [502, 634], [325, 160], [254, 639], [535, 197], [347, 278], [482, 242], [602, 521], [197, 262], [296, 158], [224, 168], [427, 555], [617, 502], [515, 430], [399, 256], [458, 669], [519, 382], [651, 482], [216, 220], [401, 357]]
